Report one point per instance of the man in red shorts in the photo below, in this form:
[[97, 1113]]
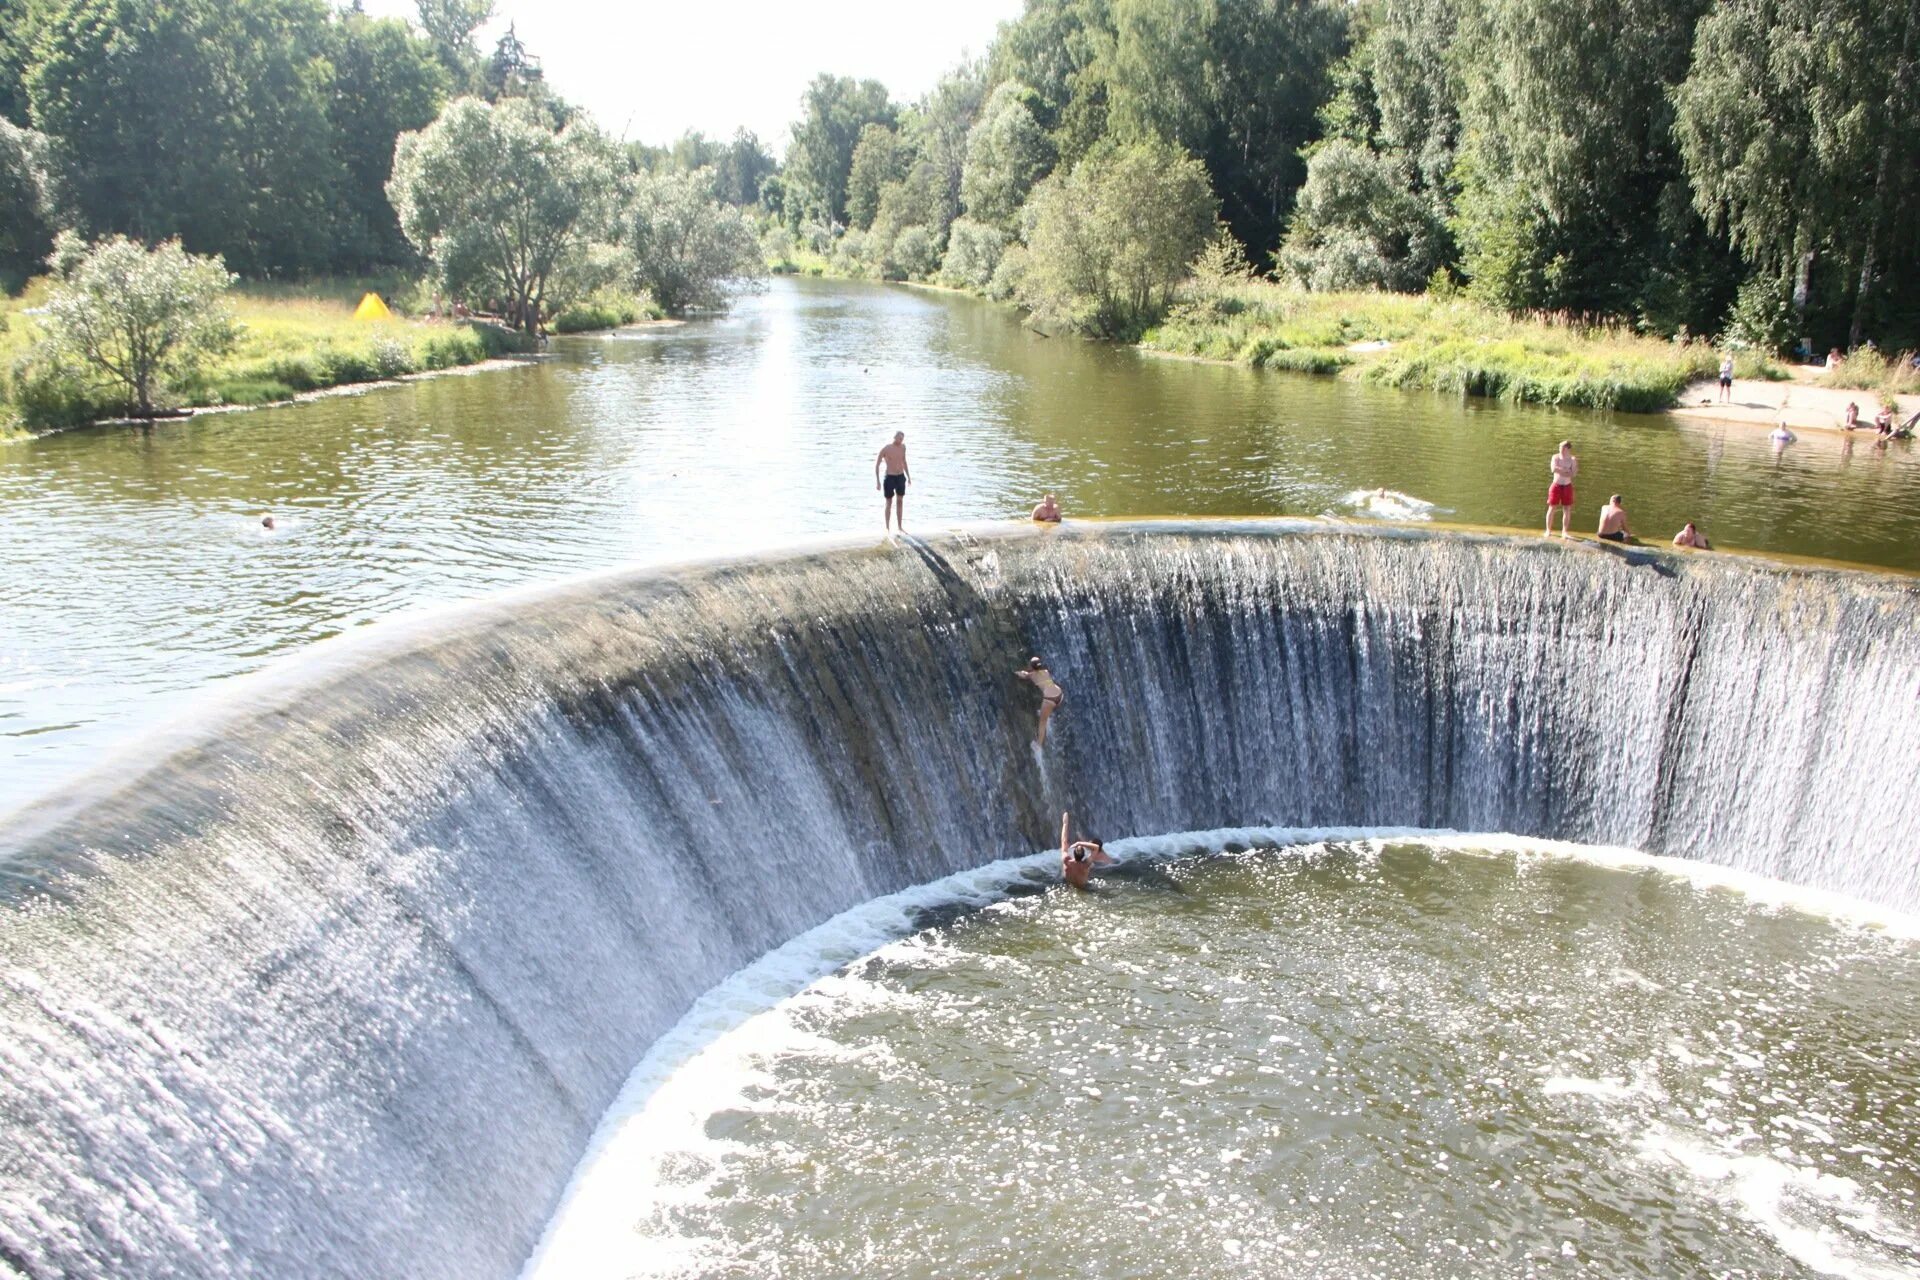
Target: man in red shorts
[[1560, 493]]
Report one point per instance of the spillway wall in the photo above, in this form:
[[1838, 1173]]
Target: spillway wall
[[338, 978]]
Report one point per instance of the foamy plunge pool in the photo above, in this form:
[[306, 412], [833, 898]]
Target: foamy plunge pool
[[1364, 1055]]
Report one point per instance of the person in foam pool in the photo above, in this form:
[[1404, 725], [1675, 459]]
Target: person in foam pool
[[1078, 858]]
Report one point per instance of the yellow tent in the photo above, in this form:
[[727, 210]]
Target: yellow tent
[[371, 308]]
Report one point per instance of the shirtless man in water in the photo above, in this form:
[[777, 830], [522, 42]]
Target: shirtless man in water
[[1078, 859], [1052, 696], [1048, 512], [1613, 520], [893, 492]]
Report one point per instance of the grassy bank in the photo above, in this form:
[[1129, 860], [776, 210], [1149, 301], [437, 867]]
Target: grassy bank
[[1886, 376], [292, 339], [1439, 344]]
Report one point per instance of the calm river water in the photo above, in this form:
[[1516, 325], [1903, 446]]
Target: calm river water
[[137, 573]]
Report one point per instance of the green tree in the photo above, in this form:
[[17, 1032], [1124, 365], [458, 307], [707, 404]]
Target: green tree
[[20, 22], [24, 236], [386, 82], [741, 169], [201, 119], [1567, 150], [820, 157], [974, 250], [1063, 49], [138, 318], [1356, 226], [450, 25], [502, 205], [878, 159], [1797, 142], [1236, 82], [1110, 240], [1007, 152], [689, 249], [936, 131]]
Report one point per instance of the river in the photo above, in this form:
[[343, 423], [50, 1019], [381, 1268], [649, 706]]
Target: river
[[138, 573]]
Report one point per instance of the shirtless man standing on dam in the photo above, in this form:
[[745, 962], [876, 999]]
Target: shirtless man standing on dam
[[893, 491], [1078, 859], [1564, 467]]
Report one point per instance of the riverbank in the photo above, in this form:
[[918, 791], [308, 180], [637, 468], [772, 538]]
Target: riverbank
[[294, 341], [1804, 402], [1435, 343]]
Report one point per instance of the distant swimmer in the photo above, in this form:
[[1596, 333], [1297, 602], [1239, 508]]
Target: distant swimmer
[[1692, 537], [1048, 512], [1564, 467], [893, 490], [266, 522], [1052, 696], [1782, 435], [1613, 520], [1079, 858]]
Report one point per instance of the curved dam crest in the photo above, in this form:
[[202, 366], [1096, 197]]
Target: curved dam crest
[[344, 981]]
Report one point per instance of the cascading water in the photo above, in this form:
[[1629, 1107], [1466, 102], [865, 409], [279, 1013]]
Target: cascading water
[[340, 980]]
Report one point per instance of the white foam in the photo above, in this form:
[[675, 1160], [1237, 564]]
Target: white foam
[[1782, 1197], [1388, 504]]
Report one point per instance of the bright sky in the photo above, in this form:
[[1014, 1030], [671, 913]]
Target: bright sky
[[649, 70]]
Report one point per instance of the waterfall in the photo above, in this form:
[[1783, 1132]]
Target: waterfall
[[338, 978]]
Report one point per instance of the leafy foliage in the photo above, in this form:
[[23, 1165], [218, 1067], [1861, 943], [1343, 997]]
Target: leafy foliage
[[502, 206], [139, 318], [1110, 240], [820, 159], [1007, 152], [687, 247], [24, 237]]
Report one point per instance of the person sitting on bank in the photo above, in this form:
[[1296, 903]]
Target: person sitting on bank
[[1052, 696], [1883, 420], [1613, 520], [1692, 537], [1852, 419], [1048, 511], [1079, 858]]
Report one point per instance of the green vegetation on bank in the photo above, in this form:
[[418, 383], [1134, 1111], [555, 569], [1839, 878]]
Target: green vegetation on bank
[[1450, 344], [287, 339]]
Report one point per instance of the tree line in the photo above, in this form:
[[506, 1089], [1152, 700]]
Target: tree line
[[1710, 166], [1706, 166]]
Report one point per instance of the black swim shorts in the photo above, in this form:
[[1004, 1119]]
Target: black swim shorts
[[896, 487], [1613, 537], [1725, 381]]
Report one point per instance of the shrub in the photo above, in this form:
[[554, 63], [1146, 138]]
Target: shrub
[[912, 255], [973, 254]]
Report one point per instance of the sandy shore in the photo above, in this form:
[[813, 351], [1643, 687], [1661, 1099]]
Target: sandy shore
[[1803, 406]]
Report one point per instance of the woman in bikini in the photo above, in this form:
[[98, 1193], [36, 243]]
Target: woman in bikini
[[1051, 695]]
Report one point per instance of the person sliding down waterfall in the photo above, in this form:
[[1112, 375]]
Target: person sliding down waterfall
[[1078, 859], [1051, 695]]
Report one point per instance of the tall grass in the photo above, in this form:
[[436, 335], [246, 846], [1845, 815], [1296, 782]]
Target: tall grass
[[1890, 376], [293, 338], [1442, 344]]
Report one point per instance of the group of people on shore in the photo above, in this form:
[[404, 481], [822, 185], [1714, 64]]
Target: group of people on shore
[[1884, 424], [1563, 467]]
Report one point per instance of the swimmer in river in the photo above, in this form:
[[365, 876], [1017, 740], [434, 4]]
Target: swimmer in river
[[1692, 537], [266, 522], [893, 493], [1052, 696], [1080, 857], [1048, 512]]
